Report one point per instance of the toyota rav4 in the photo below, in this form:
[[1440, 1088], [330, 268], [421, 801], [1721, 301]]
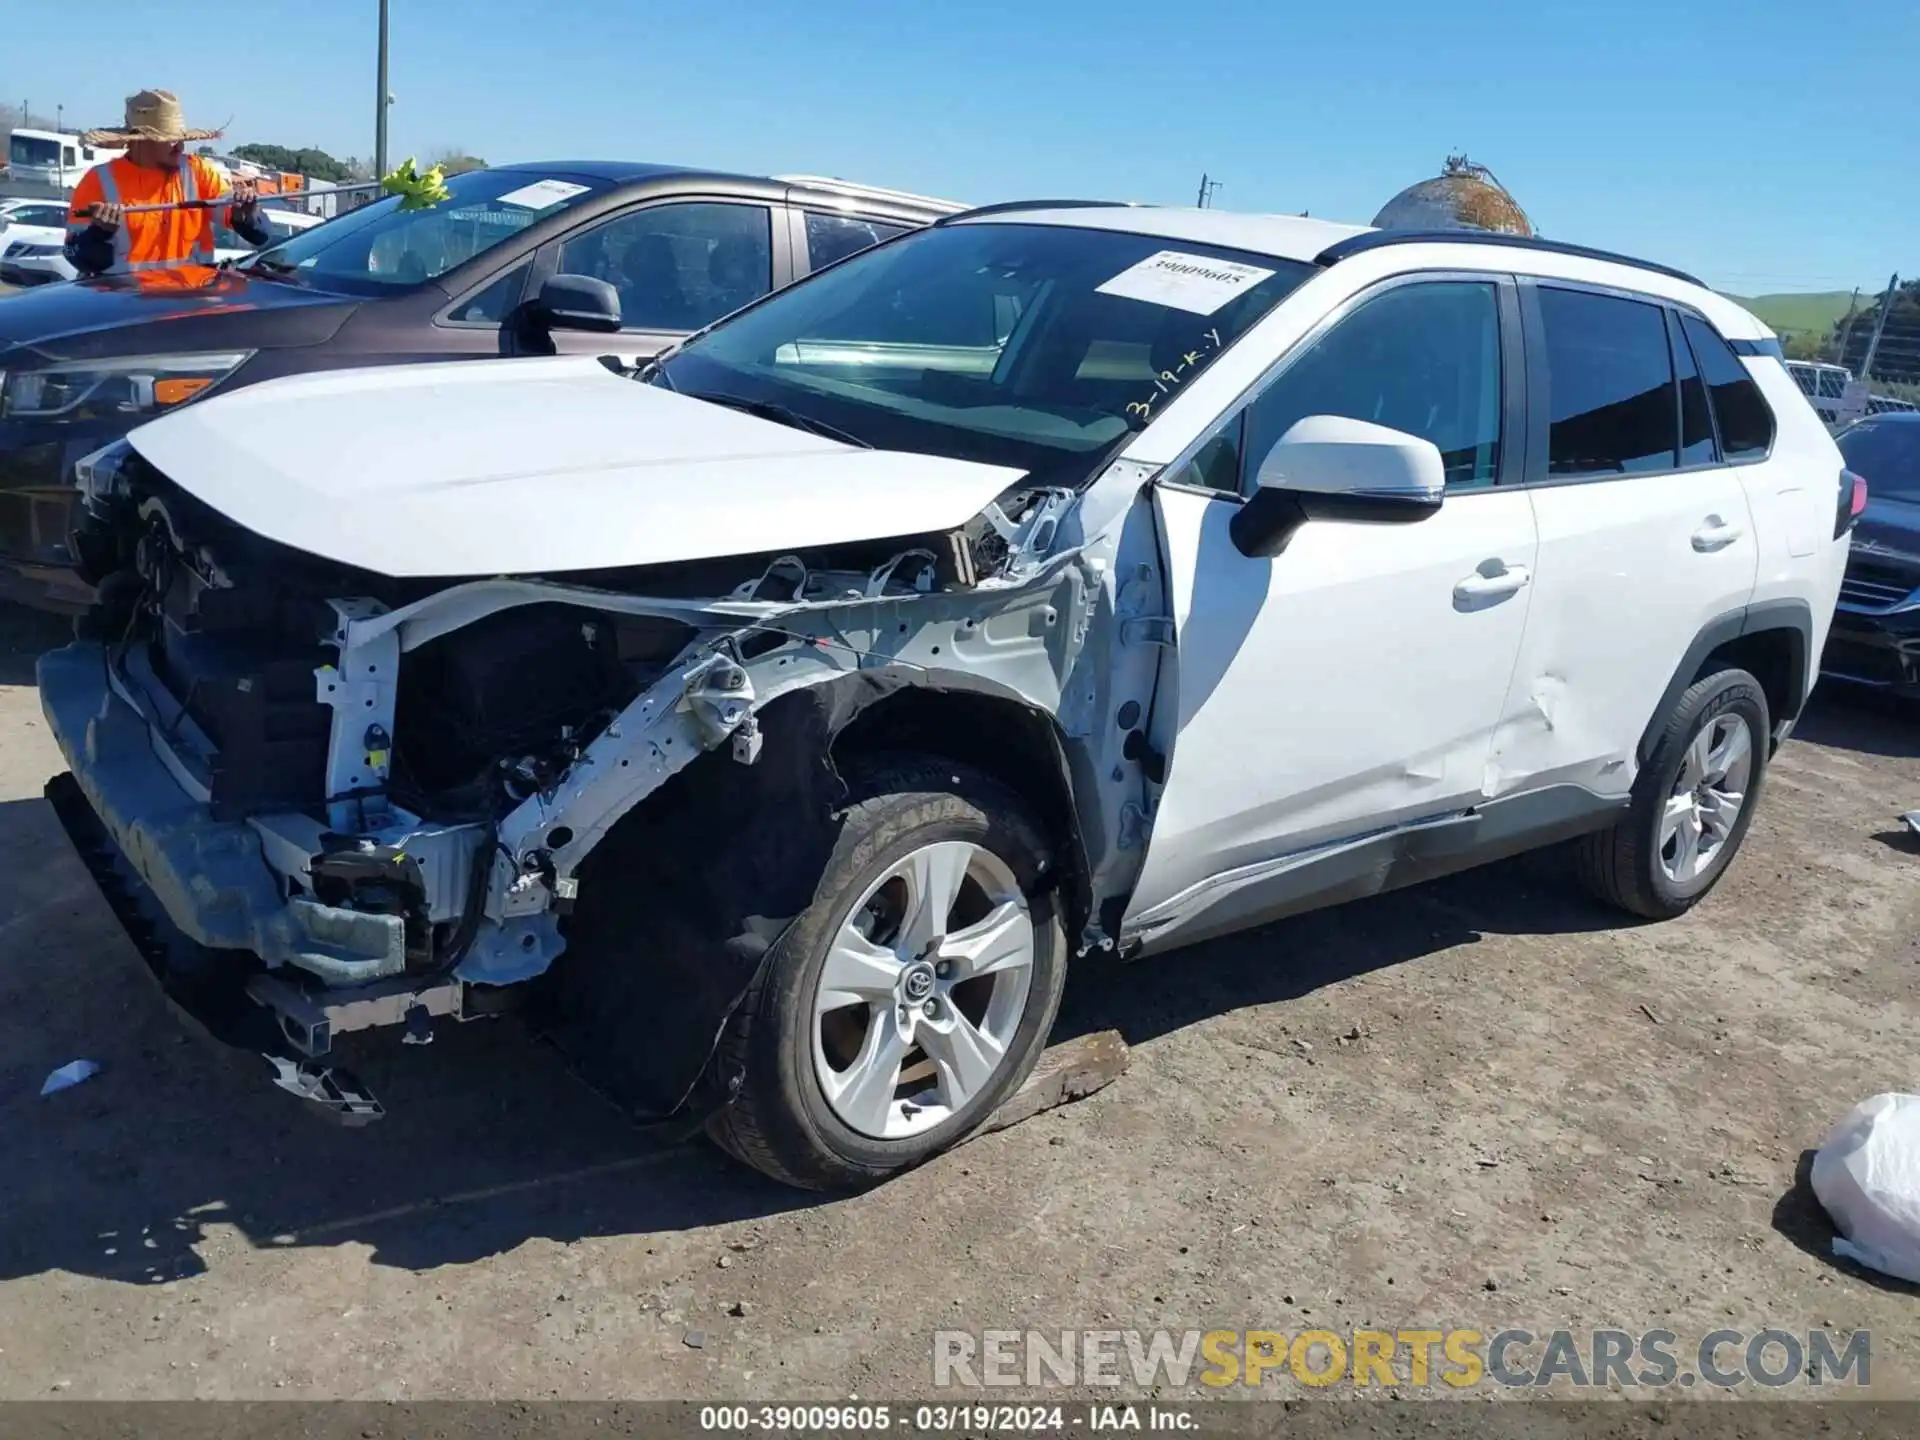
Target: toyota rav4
[[1058, 579]]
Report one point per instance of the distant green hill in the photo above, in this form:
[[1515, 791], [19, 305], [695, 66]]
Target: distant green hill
[[1794, 314]]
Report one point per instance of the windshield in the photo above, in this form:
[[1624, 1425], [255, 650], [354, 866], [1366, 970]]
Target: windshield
[[1887, 453], [33, 150], [380, 247], [1040, 347]]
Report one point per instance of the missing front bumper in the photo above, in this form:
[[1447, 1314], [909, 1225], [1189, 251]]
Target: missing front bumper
[[206, 988]]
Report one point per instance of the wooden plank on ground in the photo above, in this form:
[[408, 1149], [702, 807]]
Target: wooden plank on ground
[[1069, 1071]]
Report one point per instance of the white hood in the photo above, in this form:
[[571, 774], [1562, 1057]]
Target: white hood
[[516, 467]]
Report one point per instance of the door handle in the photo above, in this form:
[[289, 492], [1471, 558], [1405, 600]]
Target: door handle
[[1495, 580], [1715, 534]]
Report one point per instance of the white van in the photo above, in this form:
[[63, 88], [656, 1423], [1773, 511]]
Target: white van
[[50, 162]]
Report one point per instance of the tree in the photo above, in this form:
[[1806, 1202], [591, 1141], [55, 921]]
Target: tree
[[13, 118], [452, 162], [308, 160], [1805, 345]]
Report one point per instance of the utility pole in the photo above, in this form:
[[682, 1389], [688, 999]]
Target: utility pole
[[1879, 326], [380, 108], [1207, 186], [1846, 326]]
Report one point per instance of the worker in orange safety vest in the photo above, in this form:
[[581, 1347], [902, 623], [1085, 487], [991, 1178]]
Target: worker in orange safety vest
[[102, 239]]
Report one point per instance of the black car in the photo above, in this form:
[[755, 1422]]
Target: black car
[[1875, 638], [664, 251]]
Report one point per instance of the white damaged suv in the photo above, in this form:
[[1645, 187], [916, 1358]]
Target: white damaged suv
[[785, 717]]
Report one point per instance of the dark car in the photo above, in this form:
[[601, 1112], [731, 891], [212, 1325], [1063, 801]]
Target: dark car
[[664, 251], [1875, 638]]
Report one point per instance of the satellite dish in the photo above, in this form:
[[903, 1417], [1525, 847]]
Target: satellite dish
[[1463, 196]]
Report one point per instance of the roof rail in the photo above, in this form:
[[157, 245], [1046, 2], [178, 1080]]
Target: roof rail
[[1006, 206], [831, 182], [1379, 239]]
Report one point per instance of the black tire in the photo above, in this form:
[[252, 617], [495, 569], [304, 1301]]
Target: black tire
[[779, 1121], [1622, 865]]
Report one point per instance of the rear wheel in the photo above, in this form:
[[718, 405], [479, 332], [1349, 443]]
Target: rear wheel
[[1691, 804], [912, 997]]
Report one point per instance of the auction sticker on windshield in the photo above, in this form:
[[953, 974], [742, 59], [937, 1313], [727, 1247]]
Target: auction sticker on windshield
[[1197, 283], [542, 194]]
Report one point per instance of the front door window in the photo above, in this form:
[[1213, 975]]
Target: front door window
[[678, 267]]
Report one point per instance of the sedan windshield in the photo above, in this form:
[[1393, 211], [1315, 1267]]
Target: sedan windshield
[[381, 248], [1041, 347], [1887, 453]]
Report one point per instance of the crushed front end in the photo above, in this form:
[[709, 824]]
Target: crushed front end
[[322, 800]]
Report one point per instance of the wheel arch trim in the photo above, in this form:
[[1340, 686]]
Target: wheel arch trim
[[1794, 618]]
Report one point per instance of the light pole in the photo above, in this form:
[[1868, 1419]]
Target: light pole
[[381, 103]]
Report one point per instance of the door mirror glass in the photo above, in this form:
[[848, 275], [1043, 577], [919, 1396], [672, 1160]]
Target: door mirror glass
[[1330, 467], [579, 302]]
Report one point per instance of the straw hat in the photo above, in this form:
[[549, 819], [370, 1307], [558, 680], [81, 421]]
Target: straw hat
[[151, 115]]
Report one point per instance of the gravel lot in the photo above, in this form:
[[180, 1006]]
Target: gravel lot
[[1547, 1119]]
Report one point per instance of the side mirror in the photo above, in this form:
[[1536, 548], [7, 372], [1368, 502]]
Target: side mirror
[[1327, 467], [578, 302]]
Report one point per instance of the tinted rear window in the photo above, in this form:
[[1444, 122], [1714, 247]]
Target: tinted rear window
[[1746, 424], [1887, 453], [1610, 385]]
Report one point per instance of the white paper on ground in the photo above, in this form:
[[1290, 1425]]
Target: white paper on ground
[[1196, 283], [542, 193], [1867, 1175]]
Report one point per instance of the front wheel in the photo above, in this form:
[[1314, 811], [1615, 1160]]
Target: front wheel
[[1691, 804], [912, 997]]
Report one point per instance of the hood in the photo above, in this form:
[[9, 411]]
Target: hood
[[542, 466], [190, 307]]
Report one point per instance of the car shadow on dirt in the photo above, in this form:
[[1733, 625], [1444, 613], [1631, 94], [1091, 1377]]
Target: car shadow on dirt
[[1799, 1217], [1851, 717], [137, 1173], [142, 1173], [1530, 895], [24, 635]]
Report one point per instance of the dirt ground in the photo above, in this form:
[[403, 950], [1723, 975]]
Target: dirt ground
[[1549, 1119]]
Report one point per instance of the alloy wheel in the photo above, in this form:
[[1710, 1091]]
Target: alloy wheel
[[916, 1006], [1707, 798]]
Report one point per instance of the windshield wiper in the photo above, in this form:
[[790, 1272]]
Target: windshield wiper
[[263, 262], [781, 415]]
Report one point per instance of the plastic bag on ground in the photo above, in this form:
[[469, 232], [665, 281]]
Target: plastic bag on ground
[[1867, 1175], [69, 1074]]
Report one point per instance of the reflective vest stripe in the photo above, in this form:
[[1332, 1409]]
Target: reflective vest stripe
[[203, 247], [202, 252], [122, 241]]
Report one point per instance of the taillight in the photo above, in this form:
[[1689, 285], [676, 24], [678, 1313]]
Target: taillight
[[1853, 502]]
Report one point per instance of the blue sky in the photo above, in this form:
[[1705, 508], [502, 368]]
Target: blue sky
[[1748, 142]]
